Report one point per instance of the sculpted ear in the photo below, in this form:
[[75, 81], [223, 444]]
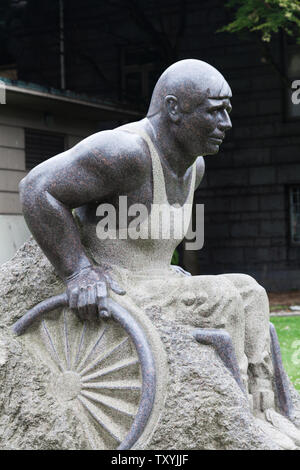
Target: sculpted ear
[[171, 104]]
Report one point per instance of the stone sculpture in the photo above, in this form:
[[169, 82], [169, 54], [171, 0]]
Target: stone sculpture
[[138, 353]]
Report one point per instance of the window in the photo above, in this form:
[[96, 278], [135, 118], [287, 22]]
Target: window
[[40, 146], [293, 72], [295, 214], [138, 73]]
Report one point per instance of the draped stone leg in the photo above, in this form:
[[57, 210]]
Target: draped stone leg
[[257, 340]]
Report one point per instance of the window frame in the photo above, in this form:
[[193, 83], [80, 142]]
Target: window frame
[[291, 213], [44, 132], [144, 69]]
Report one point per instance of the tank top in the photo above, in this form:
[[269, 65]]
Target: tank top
[[148, 245]]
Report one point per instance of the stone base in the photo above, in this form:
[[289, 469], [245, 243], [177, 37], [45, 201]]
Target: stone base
[[199, 407]]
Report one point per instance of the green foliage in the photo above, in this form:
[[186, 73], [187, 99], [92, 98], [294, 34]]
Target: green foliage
[[288, 331], [175, 258], [265, 17]]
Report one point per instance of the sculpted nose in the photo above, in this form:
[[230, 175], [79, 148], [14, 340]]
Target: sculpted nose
[[225, 124]]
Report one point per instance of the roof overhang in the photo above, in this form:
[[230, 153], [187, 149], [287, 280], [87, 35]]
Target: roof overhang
[[67, 103]]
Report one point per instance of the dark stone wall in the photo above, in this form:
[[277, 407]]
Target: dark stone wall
[[245, 189]]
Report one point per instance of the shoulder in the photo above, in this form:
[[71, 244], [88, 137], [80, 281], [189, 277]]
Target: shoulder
[[121, 155], [200, 169], [115, 144]]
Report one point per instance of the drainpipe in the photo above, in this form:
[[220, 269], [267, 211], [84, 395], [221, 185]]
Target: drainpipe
[[62, 45]]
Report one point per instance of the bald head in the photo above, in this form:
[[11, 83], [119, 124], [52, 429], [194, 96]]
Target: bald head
[[191, 81]]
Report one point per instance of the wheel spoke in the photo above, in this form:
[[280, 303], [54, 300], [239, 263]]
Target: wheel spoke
[[102, 419], [93, 349], [101, 359], [80, 345], [108, 370], [52, 347], [67, 346], [116, 385], [111, 402]]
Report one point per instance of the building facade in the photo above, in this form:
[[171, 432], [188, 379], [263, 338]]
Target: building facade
[[36, 124]]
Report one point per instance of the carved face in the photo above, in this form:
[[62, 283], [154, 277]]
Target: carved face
[[192, 99], [203, 129]]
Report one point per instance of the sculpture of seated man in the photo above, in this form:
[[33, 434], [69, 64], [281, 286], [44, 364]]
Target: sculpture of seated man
[[153, 161]]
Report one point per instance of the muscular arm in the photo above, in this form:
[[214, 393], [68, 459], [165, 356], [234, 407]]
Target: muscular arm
[[89, 172], [99, 167]]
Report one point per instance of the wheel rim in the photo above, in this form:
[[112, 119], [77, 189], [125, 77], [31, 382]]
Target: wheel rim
[[104, 371]]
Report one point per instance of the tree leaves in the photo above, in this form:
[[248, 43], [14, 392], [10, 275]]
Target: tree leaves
[[265, 17]]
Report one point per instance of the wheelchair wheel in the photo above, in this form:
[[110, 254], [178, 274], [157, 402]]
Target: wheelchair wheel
[[103, 371]]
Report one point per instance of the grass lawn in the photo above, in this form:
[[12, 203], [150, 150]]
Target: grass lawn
[[288, 331]]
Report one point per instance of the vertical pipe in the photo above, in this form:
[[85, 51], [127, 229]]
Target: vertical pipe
[[62, 45]]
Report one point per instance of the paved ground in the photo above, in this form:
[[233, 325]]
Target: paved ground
[[280, 303]]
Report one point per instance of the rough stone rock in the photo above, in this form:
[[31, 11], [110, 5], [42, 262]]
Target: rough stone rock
[[30, 417], [204, 407]]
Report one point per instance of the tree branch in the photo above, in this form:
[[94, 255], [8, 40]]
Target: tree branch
[[267, 54]]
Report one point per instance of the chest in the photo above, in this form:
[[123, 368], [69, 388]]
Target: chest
[[175, 189]]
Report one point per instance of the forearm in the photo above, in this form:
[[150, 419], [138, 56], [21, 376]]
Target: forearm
[[55, 230]]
